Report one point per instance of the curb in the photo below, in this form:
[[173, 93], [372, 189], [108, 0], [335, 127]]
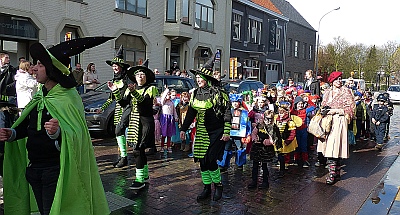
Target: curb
[[385, 197]]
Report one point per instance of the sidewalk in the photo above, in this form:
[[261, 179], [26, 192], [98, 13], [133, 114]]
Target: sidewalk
[[385, 197]]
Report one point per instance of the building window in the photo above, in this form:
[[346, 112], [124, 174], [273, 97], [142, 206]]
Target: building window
[[135, 6], [237, 19], [310, 51], [303, 50], [289, 47], [278, 38], [134, 49], [251, 69], [254, 32], [185, 11], [296, 48], [204, 14], [201, 56], [70, 33], [171, 10]]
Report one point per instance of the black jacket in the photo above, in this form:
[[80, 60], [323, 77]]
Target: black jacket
[[314, 87], [7, 81]]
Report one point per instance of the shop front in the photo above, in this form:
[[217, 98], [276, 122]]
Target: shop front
[[16, 35]]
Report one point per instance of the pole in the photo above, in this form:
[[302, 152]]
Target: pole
[[317, 49]]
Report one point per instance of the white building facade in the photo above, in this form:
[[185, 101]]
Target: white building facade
[[163, 31]]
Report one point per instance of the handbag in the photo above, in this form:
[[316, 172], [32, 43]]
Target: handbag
[[326, 124], [240, 157], [315, 126]]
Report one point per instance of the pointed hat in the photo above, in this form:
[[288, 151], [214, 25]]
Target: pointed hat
[[150, 76], [119, 59], [206, 70], [56, 59]]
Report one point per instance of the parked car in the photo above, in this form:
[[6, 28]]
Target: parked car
[[104, 122], [240, 86], [394, 93]]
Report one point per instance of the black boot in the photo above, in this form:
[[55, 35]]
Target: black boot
[[122, 162], [206, 192], [218, 191], [117, 161], [332, 178]]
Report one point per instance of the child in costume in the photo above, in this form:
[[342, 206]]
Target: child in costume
[[301, 154], [257, 113], [156, 116], [379, 116], [264, 136], [181, 110], [123, 106], [287, 125], [167, 119], [240, 128]]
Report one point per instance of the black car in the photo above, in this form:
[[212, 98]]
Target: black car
[[241, 86], [104, 122]]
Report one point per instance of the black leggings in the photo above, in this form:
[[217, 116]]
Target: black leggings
[[140, 157]]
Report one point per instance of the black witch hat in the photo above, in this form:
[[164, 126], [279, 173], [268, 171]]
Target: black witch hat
[[57, 58], [206, 70], [119, 59], [150, 76]]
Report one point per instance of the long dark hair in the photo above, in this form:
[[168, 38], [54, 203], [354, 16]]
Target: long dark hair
[[89, 67]]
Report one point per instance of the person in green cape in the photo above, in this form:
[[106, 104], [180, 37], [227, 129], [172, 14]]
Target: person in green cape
[[48, 149]]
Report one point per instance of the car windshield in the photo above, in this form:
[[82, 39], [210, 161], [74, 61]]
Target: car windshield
[[394, 88]]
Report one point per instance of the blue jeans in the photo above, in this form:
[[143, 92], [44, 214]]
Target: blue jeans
[[80, 89]]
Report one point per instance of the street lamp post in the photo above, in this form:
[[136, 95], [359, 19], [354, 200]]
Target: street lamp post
[[316, 55]]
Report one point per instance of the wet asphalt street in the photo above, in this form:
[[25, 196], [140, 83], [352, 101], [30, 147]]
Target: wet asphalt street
[[365, 187], [175, 182]]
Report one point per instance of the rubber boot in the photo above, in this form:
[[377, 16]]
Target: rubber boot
[[206, 178], [206, 192], [331, 179], [218, 191], [122, 162], [116, 161]]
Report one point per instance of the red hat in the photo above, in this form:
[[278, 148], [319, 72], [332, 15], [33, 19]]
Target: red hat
[[334, 75]]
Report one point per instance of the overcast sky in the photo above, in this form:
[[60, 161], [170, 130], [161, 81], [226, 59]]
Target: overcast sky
[[357, 21]]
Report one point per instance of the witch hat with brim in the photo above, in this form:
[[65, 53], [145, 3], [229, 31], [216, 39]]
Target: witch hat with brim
[[119, 59], [57, 58], [150, 76], [206, 70]]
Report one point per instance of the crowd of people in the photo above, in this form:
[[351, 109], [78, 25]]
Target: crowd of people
[[49, 144]]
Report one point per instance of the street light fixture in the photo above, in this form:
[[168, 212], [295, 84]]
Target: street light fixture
[[316, 55]]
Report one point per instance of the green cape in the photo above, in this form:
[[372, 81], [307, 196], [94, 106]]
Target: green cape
[[79, 187]]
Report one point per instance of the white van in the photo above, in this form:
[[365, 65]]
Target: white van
[[358, 83]]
